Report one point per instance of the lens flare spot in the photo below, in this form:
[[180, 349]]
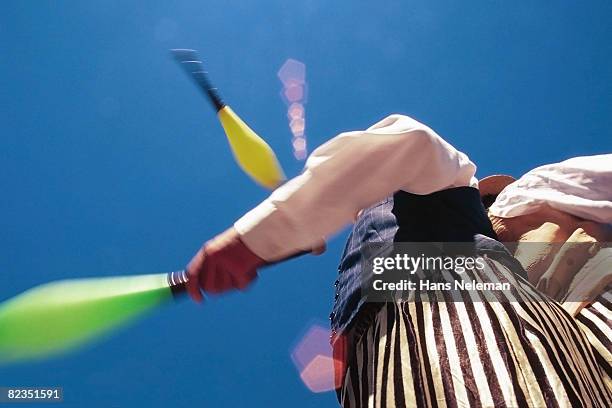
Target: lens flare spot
[[294, 93], [299, 144], [296, 111], [318, 375], [314, 359], [297, 126], [292, 72], [293, 76], [299, 154]]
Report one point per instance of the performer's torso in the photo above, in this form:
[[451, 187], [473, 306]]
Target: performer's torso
[[453, 215]]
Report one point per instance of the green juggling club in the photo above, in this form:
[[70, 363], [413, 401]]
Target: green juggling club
[[60, 316]]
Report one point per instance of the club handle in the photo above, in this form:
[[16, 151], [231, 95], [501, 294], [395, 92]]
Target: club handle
[[177, 280], [191, 64], [204, 83]]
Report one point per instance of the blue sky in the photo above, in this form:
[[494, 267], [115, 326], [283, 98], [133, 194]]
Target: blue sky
[[112, 163]]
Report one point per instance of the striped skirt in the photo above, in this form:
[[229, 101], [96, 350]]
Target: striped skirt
[[524, 352]]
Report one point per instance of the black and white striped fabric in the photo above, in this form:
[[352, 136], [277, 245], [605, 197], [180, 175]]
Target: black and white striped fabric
[[522, 351], [596, 322]]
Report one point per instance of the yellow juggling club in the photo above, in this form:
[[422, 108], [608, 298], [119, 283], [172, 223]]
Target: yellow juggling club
[[252, 153]]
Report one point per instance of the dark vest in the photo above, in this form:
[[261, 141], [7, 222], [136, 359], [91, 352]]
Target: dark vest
[[453, 215]]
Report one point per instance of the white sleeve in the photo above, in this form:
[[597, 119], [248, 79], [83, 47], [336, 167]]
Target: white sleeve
[[581, 186], [350, 172]]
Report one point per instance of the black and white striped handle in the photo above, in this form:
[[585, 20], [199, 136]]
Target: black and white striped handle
[[177, 282], [190, 62]]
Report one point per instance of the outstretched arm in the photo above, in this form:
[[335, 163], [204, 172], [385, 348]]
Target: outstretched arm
[[348, 173]]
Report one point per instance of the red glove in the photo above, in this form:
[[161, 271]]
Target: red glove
[[222, 264]]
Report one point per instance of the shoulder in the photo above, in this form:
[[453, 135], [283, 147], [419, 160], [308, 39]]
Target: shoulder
[[397, 123]]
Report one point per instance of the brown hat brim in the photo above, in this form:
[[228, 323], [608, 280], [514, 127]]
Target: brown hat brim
[[493, 185]]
